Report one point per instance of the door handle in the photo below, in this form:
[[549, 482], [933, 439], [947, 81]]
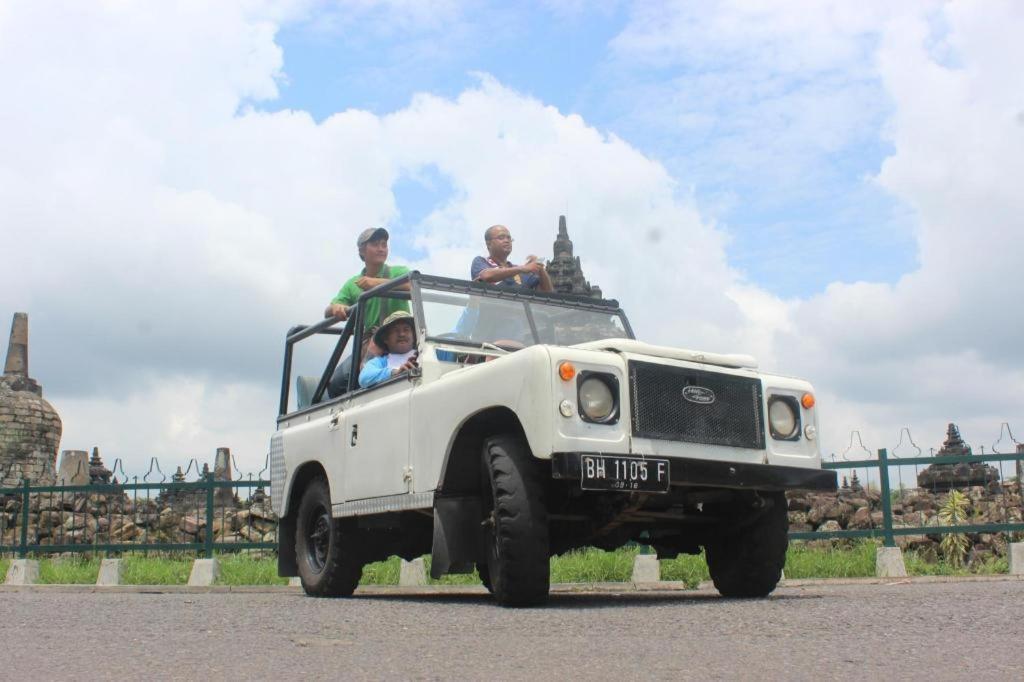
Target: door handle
[[355, 434]]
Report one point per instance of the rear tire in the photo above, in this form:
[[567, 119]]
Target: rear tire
[[515, 523], [325, 567], [748, 562]]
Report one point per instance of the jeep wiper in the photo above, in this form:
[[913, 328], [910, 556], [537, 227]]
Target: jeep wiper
[[465, 342]]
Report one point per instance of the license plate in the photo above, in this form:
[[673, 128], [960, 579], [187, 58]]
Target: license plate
[[628, 474]]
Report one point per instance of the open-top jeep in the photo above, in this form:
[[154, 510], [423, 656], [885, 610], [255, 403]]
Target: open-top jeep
[[534, 424]]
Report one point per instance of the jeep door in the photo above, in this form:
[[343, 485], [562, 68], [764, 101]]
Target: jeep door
[[376, 439]]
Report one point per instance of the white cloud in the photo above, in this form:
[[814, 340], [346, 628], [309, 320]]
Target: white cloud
[[168, 232]]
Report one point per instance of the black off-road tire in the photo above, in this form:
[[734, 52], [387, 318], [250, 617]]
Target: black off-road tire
[[748, 562], [326, 566], [515, 523]]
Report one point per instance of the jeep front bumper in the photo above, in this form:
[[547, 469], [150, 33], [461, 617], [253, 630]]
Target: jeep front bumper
[[687, 471]]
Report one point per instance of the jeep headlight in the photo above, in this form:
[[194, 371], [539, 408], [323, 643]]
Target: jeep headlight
[[783, 418], [598, 397]]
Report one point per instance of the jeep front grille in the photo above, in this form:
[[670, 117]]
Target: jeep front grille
[[723, 410]]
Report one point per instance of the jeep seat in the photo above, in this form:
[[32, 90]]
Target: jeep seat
[[305, 387]]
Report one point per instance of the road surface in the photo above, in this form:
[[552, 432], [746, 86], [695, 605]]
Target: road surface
[[900, 630]]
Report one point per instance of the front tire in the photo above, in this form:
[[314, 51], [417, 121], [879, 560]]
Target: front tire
[[485, 576], [515, 523], [325, 567], [748, 562]]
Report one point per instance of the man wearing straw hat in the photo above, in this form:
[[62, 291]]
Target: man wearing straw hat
[[397, 338]]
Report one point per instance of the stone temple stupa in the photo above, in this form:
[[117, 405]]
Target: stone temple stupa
[[565, 270], [963, 475], [30, 428]]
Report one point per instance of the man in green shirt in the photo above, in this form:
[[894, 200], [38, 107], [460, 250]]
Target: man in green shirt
[[373, 251]]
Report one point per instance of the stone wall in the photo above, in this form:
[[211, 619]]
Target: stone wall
[[117, 518], [862, 509], [179, 516]]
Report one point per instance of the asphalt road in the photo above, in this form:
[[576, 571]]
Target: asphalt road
[[933, 631]]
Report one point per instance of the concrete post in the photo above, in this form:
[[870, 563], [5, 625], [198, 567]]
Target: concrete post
[[889, 563], [646, 568], [74, 468], [222, 472], [110, 572], [204, 572], [1016, 556], [23, 572], [412, 573]]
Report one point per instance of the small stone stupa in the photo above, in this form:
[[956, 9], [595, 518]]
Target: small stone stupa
[[565, 270], [30, 428], [963, 475]]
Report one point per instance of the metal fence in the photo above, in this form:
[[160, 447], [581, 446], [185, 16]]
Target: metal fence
[[202, 516], [880, 469]]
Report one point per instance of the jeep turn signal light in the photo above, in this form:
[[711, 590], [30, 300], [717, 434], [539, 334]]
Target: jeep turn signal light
[[807, 401], [566, 370]]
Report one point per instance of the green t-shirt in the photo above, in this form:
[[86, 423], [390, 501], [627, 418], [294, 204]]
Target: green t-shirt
[[350, 293]]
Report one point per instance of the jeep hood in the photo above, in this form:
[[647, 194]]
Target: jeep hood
[[641, 348]]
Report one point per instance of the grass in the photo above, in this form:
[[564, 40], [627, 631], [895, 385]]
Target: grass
[[151, 570], [593, 566], [247, 569], [71, 570], [804, 560], [686, 568], [916, 565]]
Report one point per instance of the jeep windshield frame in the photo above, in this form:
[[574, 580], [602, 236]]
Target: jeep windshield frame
[[419, 286], [477, 314]]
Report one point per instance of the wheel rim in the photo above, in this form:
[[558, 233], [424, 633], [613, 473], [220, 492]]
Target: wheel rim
[[318, 538]]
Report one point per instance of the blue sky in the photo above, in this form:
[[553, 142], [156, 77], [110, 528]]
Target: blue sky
[[799, 215]]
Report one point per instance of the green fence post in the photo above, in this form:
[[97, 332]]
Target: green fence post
[[883, 475], [23, 550], [208, 547]]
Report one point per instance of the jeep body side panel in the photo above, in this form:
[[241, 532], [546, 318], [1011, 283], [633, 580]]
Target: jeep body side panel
[[311, 437]]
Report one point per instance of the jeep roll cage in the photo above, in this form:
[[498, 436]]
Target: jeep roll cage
[[354, 326]]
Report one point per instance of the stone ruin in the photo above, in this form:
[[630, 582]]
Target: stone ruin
[[854, 507], [176, 515], [963, 475], [30, 428], [565, 270]]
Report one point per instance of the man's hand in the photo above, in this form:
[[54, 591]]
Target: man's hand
[[365, 283], [373, 350], [406, 367], [338, 310], [532, 266]]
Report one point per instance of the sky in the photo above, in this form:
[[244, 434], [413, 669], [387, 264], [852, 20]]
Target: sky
[[832, 187]]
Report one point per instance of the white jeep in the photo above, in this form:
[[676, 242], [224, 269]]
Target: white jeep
[[535, 424]]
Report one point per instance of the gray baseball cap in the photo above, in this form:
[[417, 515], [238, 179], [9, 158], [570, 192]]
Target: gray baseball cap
[[372, 234]]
